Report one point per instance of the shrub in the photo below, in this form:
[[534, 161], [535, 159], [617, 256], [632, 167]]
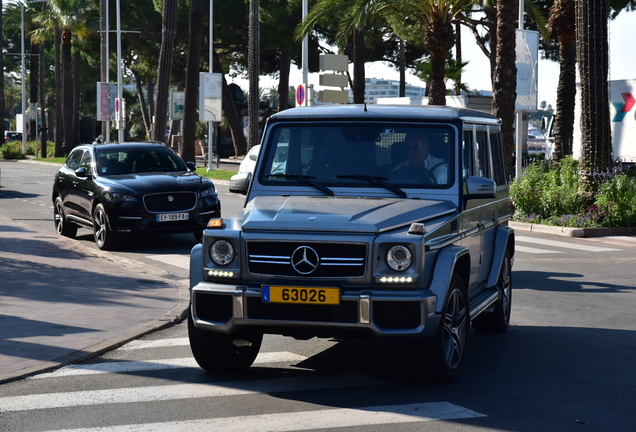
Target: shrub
[[617, 199]]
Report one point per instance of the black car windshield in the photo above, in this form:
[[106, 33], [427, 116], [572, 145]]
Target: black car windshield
[[392, 156], [119, 161]]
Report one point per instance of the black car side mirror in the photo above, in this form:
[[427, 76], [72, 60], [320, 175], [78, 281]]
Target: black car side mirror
[[191, 166], [82, 172]]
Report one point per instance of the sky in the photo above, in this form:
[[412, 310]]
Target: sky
[[477, 73]]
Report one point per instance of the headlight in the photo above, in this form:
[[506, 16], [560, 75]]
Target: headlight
[[399, 258], [222, 252], [211, 191], [118, 196]]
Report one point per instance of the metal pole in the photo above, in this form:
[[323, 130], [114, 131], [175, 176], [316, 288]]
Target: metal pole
[[106, 137], [305, 48], [120, 93], [519, 116], [23, 65], [211, 125]]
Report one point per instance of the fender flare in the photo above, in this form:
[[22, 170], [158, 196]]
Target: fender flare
[[196, 265], [504, 240], [448, 259]]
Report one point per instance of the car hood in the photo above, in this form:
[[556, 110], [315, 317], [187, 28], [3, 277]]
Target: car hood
[[143, 183], [362, 215]]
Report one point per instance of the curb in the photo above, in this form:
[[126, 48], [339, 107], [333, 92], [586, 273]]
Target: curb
[[574, 232]]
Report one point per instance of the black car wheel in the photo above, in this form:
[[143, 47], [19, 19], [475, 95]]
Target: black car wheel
[[104, 236], [499, 319], [442, 356], [62, 227], [217, 352]]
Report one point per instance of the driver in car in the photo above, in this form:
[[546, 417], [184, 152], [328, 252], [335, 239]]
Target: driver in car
[[418, 153]]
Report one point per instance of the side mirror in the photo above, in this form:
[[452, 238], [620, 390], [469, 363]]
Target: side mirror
[[545, 122], [240, 182], [480, 187], [191, 166], [82, 172]]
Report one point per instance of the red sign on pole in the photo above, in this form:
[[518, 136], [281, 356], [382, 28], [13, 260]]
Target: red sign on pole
[[300, 95]]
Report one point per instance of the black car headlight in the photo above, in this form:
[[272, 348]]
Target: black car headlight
[[118, 196], [207, 192], [399, 258], [222, 252]]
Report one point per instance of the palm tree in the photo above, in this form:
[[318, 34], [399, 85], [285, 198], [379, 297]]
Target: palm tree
[[168, 31], [562, 22], [71, 16], [505, 75], [593, 57], [195, 38]]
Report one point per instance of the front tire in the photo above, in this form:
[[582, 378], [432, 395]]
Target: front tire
[[498, 320], [104, 236], [218, 352], [443, 354], [62, 226]]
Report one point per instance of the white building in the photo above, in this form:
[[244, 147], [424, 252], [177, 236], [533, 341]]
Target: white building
[[375, 88]]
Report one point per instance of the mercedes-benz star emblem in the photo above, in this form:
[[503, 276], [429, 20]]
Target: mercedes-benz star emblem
[[305, 260], [170, 198]]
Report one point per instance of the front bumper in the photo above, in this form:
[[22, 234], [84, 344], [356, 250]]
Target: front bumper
[[225, 308]]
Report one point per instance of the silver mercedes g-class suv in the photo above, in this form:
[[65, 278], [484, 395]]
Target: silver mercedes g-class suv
[[361, 221]]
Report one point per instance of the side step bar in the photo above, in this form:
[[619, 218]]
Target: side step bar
[[483, 301]]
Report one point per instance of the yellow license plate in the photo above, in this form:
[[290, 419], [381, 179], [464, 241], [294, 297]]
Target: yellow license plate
[[300, 295]]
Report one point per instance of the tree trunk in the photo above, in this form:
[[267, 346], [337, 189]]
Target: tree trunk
[[168, 31], [142, 102], [359, 58], [190, 114], [77, 97], [593, 58], [283, 82], [42, 97], [402, 69], [253, 72], [59, 94], [439, 38], [2, 102], [104, 64], [505, 82], [562, 20], [67, 79]]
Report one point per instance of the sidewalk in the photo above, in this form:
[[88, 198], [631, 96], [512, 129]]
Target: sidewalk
[[61, 302]]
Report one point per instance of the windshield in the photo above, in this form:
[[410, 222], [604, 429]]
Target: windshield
[[360, 155], [137, 160]]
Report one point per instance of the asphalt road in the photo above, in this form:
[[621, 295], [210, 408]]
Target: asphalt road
[[565, 364]]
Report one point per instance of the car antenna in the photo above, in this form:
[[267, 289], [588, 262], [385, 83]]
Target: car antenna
[[365, 107]]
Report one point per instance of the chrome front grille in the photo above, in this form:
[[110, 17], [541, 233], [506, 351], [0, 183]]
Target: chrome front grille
[[170, 202], [306, 259]]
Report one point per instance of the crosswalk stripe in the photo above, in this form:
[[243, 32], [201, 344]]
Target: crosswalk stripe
[[534, 250], [564, 245], [326, 419], [158, 343], [161, 364], [181, 391]]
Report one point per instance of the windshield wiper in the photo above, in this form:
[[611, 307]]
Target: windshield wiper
[[303, 179], [375, 180]]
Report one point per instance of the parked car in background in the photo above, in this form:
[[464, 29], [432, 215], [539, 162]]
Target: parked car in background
[[249, 161], [12, 136], [131, 188]]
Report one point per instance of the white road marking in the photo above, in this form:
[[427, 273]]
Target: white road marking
[[181, 391], [161, 364], [327, 419], [158, 343], [565, 245], [534, 250]]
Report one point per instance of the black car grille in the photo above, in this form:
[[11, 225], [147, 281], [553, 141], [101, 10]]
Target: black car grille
[[306, 259], [170, 202], [346, 312]]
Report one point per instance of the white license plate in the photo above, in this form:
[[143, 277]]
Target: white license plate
[[170, 217]]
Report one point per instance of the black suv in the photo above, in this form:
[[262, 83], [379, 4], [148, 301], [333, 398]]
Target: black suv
[[127, 188]]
